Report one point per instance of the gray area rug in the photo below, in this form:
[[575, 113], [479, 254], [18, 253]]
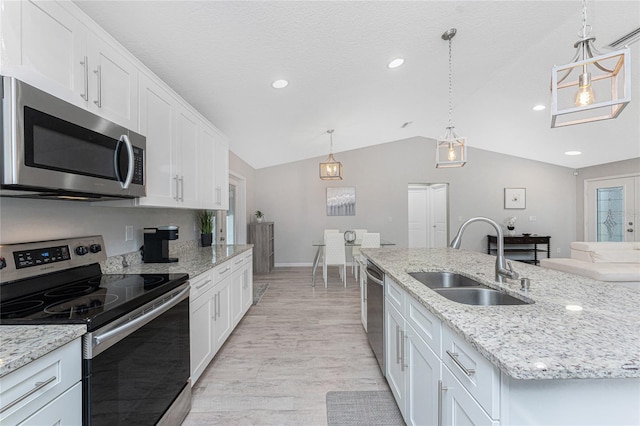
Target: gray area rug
[[362, 408], [258, 291]]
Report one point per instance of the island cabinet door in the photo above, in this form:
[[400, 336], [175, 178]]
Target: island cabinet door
[[458, 406], [394, 324], [423, 373]]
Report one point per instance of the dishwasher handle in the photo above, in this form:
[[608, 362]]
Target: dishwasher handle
[[377, 280]]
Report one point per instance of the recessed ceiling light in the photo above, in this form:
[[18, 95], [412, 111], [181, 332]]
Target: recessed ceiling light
[[539, 108], [572, 153], [280, 84], [396, 63]]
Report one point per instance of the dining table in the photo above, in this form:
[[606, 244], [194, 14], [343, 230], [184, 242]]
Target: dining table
[[320, 244]]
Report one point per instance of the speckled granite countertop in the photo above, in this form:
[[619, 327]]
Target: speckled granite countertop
[[193, 260], [21, 344], [542, 340]]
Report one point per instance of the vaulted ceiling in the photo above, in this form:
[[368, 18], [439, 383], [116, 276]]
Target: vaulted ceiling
[[222, 57]]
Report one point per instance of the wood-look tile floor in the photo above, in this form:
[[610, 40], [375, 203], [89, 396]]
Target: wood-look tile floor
[[296, 345]]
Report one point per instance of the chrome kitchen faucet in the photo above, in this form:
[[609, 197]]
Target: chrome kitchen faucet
[[503, 266]]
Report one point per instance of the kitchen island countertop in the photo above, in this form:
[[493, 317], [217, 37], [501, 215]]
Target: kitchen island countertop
[[21, 344], [543, 340]]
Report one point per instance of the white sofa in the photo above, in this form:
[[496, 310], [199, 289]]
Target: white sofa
[[605, 261]]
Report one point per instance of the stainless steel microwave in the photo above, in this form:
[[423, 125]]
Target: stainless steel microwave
[[53, 149]]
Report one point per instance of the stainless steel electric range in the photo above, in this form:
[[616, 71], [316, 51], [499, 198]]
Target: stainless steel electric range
[[136, 352]]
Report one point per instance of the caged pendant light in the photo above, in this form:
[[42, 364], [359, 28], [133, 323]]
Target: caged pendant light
[[451, 149], [590, 88], [331, 169]]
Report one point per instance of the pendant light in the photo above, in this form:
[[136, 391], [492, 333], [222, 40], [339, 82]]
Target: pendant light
[[590, 88], [331, 169], [451, 149]]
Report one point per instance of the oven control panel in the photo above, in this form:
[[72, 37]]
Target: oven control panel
[[24, 260]]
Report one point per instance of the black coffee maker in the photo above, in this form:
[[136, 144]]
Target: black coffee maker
[[156, 244]]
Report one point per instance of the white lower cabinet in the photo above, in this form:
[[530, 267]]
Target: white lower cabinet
[[216, 298], [438, 378], [458, 406], [45, 391]]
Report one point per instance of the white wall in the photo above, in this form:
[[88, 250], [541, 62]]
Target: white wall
[[293, 196], [25, 220]]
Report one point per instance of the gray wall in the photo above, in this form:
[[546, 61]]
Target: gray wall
[[240, 167], [618, 168], [293, 196], [37, 220]]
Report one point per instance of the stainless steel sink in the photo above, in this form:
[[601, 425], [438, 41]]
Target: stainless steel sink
[[479, 296], [461, 289], [443, 279]]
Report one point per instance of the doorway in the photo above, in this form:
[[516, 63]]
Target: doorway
[[612, 207], [428, 215]]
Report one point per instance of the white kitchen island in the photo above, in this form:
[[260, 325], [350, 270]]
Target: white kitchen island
[[537, 364]]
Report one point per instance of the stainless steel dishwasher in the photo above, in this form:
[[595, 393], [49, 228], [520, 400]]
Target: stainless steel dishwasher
[[375, 312]]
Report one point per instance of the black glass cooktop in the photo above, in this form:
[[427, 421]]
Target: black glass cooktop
[[94, 300]]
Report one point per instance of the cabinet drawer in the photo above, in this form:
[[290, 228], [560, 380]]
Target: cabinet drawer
[[394, 294], [64, 410], [222, 271], [238, 262], [26, 390], [425, 324], [200, 284], [479, 377]]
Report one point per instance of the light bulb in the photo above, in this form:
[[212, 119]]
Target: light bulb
[[452, 153], [585, 95]]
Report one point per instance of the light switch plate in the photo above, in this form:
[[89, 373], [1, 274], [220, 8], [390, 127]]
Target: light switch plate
[[128, 233]]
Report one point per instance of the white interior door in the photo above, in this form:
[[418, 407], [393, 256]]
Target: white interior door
[[418, 231], [612, 207], [439, 224], [428, 225]]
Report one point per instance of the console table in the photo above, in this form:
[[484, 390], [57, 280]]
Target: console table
[[531, 242]]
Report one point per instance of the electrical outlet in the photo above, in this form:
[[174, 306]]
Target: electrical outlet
[[558, 250], [532, 218], [390, 219], [128, 233], [459, 218]]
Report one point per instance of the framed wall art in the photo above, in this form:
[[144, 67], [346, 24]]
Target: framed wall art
[[515, 198], [341, 201]]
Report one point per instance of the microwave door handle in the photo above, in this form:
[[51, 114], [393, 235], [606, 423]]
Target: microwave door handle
[[129, 178]]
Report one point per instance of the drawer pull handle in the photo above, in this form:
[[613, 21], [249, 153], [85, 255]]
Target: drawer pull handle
[[198, 287], [454, 356], [441, 389], [38, 386]]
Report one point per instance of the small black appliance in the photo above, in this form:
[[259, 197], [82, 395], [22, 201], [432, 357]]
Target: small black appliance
[[156, 244]]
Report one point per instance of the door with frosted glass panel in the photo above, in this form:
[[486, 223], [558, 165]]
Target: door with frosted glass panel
[[612, 208]]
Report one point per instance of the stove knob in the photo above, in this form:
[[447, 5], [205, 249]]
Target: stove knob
[[81, 250], [95, 248], [3, 263]]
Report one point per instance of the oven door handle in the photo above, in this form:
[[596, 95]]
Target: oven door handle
[[103, 341]]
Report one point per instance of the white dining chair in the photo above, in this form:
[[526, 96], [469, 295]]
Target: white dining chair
[[355, 252], [330, 231], [370, 240], [334, 254]]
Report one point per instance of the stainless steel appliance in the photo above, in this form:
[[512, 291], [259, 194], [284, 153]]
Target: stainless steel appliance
[[156, 244], [136, 352], [375, 312], [53, 149]]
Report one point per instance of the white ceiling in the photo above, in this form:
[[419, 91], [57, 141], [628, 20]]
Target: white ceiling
[[222, 56]]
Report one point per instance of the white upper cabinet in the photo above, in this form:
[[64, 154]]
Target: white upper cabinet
[[222, 174], [46, 46], [157, 124], [113, 84], [186, 146], [55, 47]]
